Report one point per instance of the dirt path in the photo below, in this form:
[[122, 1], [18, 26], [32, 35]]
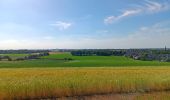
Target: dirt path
[[129, 96]]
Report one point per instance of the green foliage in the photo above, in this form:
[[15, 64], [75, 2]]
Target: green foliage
[[161, 51], [98, 52]]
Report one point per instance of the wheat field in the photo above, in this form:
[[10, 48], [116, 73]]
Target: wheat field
[[37, 83]]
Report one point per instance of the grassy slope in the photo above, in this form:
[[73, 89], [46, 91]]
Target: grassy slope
[[81, 61], [57, 82]]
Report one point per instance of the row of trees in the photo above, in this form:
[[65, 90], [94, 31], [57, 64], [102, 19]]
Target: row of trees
[[5, 57], [22, 51], [161, 51], [33, 56], [98, 53], [29, 57]]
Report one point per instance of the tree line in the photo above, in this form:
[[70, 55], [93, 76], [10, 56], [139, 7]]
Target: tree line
[[98, 53], [22, 51], [29, 57]]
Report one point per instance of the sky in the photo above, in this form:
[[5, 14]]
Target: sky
[[84, 24]]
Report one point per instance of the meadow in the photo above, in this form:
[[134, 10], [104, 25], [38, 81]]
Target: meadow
[[14, 55], [80, 61], [38, 83]]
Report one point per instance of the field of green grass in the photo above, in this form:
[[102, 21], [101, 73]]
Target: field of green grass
[[80, 61], [14, 55], [37, 83]]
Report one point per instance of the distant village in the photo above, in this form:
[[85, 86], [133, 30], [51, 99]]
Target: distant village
[[162, 55], [149, 55]]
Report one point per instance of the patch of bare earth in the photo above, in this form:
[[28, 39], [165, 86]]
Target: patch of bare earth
[[128, 96]]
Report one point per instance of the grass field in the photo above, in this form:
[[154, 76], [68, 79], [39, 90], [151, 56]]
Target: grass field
[[31, 83], [80, 61], [14, 55]]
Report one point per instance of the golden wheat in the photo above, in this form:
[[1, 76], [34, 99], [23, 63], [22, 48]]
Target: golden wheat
[[38, 83]]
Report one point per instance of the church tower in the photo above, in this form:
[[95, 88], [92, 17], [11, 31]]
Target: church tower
[[165, 48]]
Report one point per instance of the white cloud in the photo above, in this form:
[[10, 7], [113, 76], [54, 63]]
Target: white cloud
[[153, 7], [126, 13], [61, 25], [110, 19], [149, 7]]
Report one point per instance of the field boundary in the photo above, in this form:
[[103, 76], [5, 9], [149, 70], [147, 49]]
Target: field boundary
[[80, 97]]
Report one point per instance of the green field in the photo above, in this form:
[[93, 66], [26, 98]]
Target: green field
[[14, 55], [80, 61]]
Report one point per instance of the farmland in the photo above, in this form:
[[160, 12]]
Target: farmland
[[31, 83], [84, 49], [54, 76], [53, 60]]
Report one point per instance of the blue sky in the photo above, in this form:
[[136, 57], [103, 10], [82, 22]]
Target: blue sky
[[43, 24]]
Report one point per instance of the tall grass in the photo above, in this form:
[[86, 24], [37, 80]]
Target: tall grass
[[25, 83]]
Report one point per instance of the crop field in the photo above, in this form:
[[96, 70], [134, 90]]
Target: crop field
[[14, 55], [52, 77], [38, 83], [53, 60]]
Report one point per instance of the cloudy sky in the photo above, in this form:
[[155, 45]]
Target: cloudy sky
[[44, 24]]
